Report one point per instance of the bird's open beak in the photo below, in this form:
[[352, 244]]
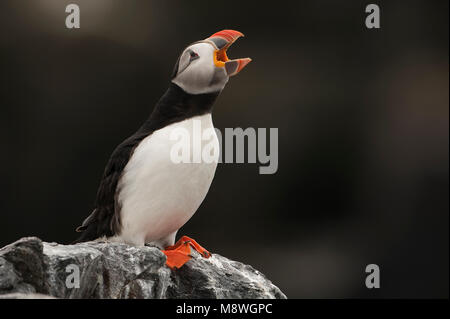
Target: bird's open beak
[[222, 40]]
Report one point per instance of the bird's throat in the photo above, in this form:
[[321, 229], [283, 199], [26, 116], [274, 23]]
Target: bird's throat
[[176, 105]]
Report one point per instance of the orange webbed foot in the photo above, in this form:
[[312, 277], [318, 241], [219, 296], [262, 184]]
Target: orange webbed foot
[[180, 253]]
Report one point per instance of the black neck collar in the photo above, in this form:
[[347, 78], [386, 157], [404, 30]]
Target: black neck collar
[[176, 105]]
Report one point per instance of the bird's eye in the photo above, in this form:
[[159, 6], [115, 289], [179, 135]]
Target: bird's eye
[[193, 55]]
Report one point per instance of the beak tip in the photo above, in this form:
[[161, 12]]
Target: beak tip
[[246, 61]]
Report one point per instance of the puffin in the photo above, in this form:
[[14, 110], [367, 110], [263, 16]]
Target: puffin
[[144, 196]]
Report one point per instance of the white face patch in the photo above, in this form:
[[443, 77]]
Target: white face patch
[[199, 75]]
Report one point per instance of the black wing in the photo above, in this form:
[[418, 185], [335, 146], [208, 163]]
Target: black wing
[[105, 219]]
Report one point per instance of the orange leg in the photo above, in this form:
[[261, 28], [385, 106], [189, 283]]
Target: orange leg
[[180, 253]]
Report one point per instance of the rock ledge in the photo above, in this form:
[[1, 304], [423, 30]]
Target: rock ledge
[[31, 268]]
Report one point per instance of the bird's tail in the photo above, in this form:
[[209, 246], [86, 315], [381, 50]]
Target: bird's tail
[[88, 229], [87, 233], [96, 225]]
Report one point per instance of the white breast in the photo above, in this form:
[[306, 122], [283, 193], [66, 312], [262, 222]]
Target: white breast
[[158, 196]]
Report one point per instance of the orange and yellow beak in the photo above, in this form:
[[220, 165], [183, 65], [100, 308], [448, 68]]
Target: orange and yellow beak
[[222, 40]]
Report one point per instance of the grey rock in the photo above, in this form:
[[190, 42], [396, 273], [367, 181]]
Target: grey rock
[[30, 268], [19, 295]]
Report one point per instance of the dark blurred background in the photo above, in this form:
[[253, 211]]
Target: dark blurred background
[[362, 117]]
